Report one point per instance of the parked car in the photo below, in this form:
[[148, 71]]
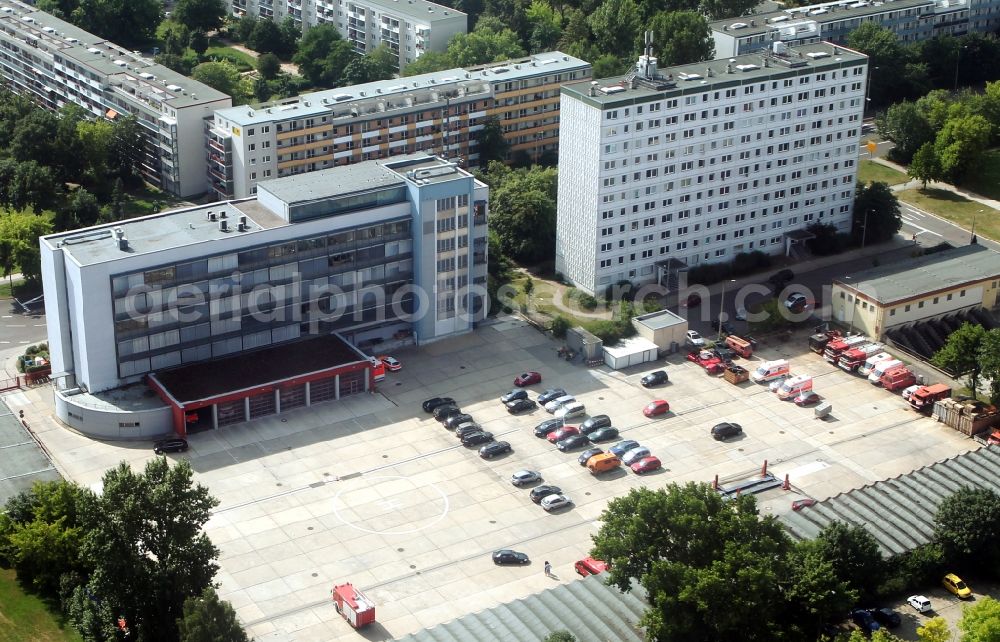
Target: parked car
[[522, 477], [514, 395], [868, 128], [443, 412], [433, 403], [550, 394], [572, 443], [521, 405], [634, 455], [741, 314], [623, 447], [543, 429], [558, 402], [723, 353], [590, 566], [807, 398], [656, 378], [725, 430], [695, 339], [778, 381], [865, 620], [594, 423], [955, 585], [656, 408], [527, 379], [886, 617], [646, 465], [909, 390], [467, 429], [562, 433], [491, 450], [726, 328], [538, 493], [552, 502], [796, 302], [920, 603], [587, 454], [391, 363], [570, 410], [476, 438], [604, 434], [692, 301], [173, 445], [507, 556], [455, 421]]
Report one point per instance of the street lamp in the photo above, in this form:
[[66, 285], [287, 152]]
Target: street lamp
[[864, 228], [958, 57], [868, 87], [722, 306], [974, 240]]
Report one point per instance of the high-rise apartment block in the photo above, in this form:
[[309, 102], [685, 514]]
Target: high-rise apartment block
[[910, 20], [664, 169], [407, 27], [56, 63], [440, 112]]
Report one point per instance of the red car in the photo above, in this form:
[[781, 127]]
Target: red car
[[656, 408], [391, 363], [646, 465], [590, 566], [562, 433], [527, 379]]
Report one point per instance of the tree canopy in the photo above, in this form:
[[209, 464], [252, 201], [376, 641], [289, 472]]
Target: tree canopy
[[981, 621], [960, 354], [19, 232], [682, 37], [209, 619], [523, 210], [966, 524], [323, 55], [200, 15], [876, 213]]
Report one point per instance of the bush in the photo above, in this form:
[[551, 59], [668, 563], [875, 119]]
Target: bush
[[920, 567], [529, 286], [742, 264], [585, 301], [624, 288], [559, 326], [827, 241], [609, 332]]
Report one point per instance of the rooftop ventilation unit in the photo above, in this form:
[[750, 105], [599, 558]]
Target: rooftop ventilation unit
[[210, 215], [174, 87], [223, 226]]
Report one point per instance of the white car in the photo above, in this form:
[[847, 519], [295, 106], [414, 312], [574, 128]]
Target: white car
[[522, 477], [909, 391], [635, 455], [570, 410], [797, 302], [556, 404], [695, 339], [920, 603], [552, 502], [741, 314]]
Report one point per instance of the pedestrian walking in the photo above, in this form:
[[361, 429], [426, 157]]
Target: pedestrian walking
[[548, 569]]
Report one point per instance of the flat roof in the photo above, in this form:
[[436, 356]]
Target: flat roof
[[632, 345], [702, 76], [660, 320], [422, 168], [321, 102], [312, 186], [207, 379], [157, 232], [931, 273], [754, 25], [418, 9]]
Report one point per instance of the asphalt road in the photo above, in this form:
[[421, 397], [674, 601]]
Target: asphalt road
[[17, 330]]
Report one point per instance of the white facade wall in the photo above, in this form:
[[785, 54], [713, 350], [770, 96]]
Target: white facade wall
[[959, 299], [705, 173]]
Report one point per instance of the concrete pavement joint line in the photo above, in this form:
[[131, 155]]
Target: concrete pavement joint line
[[34, 472], [16, 445], [384, 583]]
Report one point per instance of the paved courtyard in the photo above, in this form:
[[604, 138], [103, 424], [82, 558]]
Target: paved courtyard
[[373, 491]]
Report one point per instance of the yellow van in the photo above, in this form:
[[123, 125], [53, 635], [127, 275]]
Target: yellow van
[[602, 463]]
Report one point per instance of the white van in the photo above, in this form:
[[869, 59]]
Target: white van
[[770, 370], [871, 362], [880, 369], [570, 410], [794, 386]]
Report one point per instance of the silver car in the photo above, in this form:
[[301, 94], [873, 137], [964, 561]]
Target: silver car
[[553, 502], [558, 403]]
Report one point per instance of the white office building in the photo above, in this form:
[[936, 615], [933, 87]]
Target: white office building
[[664, 169], [407, 28], [56, 63], [377, 252]]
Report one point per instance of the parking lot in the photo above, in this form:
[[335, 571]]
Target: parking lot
[[374, 491]]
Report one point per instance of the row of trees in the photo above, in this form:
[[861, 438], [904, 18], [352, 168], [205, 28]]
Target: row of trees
[[714, 569], [136, 552], [973, 352]]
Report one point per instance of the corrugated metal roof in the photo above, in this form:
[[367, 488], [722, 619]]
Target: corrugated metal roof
[[899, 512], [589, 609]]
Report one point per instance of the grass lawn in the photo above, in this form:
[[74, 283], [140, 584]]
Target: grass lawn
[[147, 199], [26, 618], [242, 60], [986, 181], [956, 209], [870, 171]]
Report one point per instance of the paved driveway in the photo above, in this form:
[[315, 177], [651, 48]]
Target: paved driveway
[[373, 491]]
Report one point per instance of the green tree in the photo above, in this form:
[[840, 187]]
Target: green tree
[[698, 564], [960, 145], [323, 55], [198, 42], [61, 9], [19, 232], [934, 630], [616, 26], [33, 136], [130, 23], [523, 200], [681, 37], [545, 25], [492, 144], [144, 539], [887, 60], [966, 524], [981, 621], [854, 555], [576, 36], [427, 62], [174, 36], [81, 210], [290, 35], [221, 75], [989, 358], [876, 213], [815, 594], [377, 65], [721, 9], [484, 45], [209, 619], [243, 29], [199, 15], [27, 184], [268, 66], [266, 38], [905, 125], [606, 65], [925, 166], [95, 138], [126, 149], [960, 354]]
